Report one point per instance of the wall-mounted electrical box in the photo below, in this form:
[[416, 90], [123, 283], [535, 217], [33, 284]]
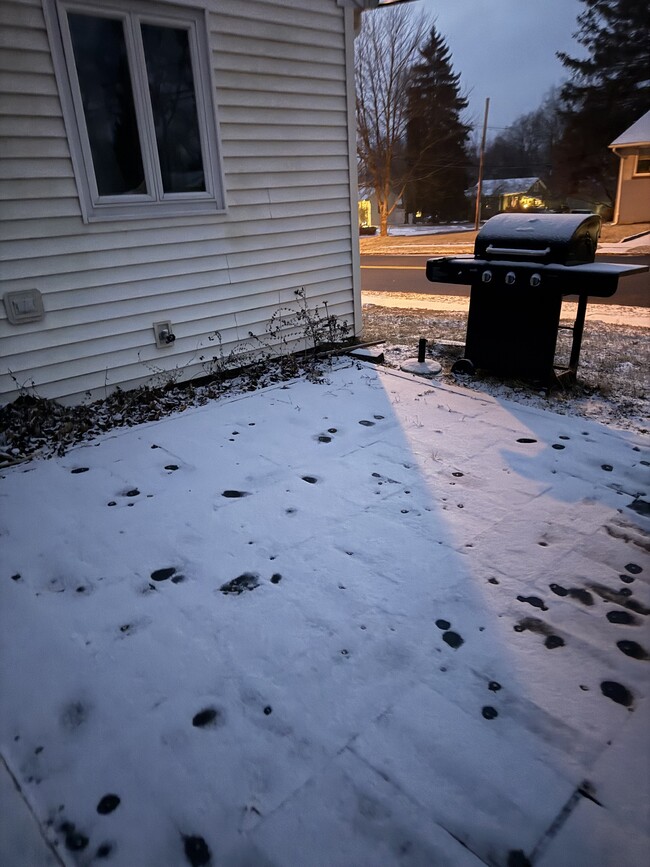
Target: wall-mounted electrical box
[[25, 305]]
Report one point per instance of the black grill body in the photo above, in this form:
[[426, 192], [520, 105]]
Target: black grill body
[[522, 268]]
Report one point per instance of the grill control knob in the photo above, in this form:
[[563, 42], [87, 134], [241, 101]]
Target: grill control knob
[[486, 276], [510, 278], [535, 279]]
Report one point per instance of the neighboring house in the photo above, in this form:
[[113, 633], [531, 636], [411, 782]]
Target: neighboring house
[[633, 190], [509, 194], [189, 162]]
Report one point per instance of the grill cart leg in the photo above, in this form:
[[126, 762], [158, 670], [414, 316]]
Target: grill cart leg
[[568, 374], [578, 328]]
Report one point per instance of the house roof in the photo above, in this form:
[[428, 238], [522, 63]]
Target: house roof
[[637, 134], [505, 186]]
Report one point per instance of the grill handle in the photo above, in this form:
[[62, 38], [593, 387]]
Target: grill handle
[[510, 251]]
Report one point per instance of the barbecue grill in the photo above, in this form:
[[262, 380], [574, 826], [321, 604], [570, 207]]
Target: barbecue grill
[[523, 266]]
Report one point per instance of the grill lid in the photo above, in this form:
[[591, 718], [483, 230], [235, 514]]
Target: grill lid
[[565, 239]]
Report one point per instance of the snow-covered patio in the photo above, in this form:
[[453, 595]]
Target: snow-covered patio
[[367, 622]]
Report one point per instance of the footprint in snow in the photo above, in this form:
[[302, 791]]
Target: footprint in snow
[[246, 581]]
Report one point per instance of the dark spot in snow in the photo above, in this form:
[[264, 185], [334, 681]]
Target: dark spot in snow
[[626, 579], [155, 447], [112, 503], [81, 589], [633, 649], [105, 849], [73, 715], [310, 479], [458, 475], [617, 692], [345, 652], [366, 423], [443, 624], [251, 424], [535, 601], [584, 688], [341, 586], [376, 476], [196, 851], [641, 507], [268, 710], [553, 641], [107, 804], [125, 627], [246, 581], [404, 511], [563, 437], [489, 712], [516, 858], [163, 574], [633, 568], [581, 595], [453, 639], [324, 439], [460, 505], [557, 446], [233, 495], [16, 577], [625, 591], [607, 467], [171, 467], [378, 417], [235, 433], [615, 596], [276, 578], [494, 686], [79, 470], [207, 717], [559, 590], [38, 750], [291, 511], [622, 617], [543, 544], [75, 841], [332, 430], [134, 492], [526, 440], [492, 581], [178, 579]]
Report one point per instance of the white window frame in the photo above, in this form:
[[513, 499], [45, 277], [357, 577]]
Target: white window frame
[[642, 156], [155, 203]]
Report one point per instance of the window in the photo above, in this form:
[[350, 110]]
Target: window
[[136, 91], [642, 166]]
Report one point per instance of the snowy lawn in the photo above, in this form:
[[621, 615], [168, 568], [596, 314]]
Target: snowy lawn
[[372, 621]]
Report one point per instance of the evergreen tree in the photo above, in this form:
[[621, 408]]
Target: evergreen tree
[[436, 147], [609, 90]]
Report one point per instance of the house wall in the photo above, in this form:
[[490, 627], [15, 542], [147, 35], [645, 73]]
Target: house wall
[[284, 111], [634, 201]]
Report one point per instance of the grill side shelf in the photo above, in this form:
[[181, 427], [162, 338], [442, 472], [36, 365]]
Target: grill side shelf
[[594, 278]]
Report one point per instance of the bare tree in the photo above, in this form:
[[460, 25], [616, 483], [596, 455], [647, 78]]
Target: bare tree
[[386, 49]]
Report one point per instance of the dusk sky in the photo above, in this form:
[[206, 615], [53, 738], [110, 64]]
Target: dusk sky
[[505, 49]]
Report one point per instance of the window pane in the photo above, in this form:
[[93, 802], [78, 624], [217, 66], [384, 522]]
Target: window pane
[[105, 84], [173, 100]]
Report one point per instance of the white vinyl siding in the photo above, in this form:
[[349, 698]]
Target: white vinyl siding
[[279, 68]]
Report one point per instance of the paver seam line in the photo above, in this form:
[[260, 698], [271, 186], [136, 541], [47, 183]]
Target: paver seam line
[[21, 795]]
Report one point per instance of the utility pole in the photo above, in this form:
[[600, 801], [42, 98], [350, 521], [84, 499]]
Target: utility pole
[[479, 185]]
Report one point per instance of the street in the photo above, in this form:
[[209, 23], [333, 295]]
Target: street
[[406, 273]]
